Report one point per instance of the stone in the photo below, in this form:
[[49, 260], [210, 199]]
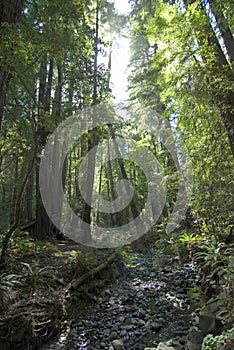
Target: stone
[[154, 326], [206, 323], [141, 313], [124, 315], [163, 346], [118, 344], [194, 339], [113, 335]]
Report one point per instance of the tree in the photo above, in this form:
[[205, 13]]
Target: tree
[[9, 15], [191, 74]]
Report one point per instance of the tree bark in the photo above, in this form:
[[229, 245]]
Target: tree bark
[[42, 227], [224, 29], [9, 13], [58, 96], [86, 217], [223, 99], [49, 86], [132, 204]]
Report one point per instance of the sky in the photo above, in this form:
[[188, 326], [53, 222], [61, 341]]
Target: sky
[[122, 6], [120, 59], [119, 69]]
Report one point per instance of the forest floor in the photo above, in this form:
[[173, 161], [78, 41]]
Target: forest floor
[[43, 280], [63, 295], [147, 304]]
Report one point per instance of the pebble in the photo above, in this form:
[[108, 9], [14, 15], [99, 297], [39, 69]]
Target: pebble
[[137, 311]]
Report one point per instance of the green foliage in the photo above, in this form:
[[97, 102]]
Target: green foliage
[[125, 256], [175, 74], [86, 259], [26, 245], [165, 245], [216, 261], [219, 342], [34, 272], [188, 238], [74, 254]]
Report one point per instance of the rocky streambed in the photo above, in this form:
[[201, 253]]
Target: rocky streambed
[[150, 302]]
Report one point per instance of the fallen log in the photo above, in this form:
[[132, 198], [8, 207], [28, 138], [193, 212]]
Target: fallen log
[[90, 274]]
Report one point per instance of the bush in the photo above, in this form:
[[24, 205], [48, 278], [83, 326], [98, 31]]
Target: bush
[[225, 341]]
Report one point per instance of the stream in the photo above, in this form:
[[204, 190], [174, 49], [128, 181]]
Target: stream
[[147, 304]]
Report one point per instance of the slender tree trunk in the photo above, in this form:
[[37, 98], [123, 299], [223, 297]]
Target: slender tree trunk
[[86, 217], [14, 194], [29, 197], [49, 86], [58, 96], [16, 223], [4, 79], [42, 227], [42, 88], [99, 197], [112, 187]]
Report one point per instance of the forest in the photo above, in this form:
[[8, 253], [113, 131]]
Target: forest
[[117, 174]]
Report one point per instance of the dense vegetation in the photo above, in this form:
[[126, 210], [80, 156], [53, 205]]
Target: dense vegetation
[[51, 67]]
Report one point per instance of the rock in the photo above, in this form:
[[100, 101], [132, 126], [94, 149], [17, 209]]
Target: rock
[[206, 323], [161, 346], [122, 314], [141, 313], [213, 306], [194, 339], [113, 335], [118, 344], [155, 326]]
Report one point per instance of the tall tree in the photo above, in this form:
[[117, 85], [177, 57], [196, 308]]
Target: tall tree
[[9, 15]]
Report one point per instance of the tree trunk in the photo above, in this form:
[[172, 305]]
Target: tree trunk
[[9, 13], [132, 204], [86, 217], [223, 99], [112, 187], [49, 86], [16, 224], [58, 96], [29, 197], [42, 227], [14, 194], [223, 28]]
